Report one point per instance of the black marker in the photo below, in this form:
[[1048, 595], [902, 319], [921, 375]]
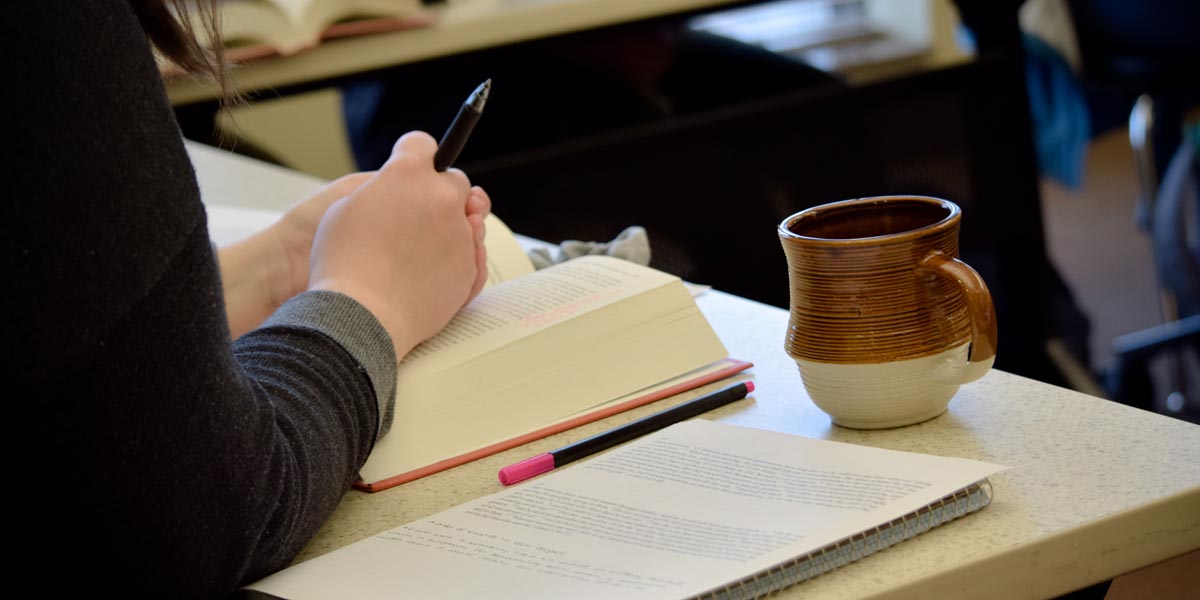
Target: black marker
[[542, 463], [456, 136]]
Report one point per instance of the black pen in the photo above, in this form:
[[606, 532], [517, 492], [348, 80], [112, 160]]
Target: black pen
[[542, 463], [456, 136]]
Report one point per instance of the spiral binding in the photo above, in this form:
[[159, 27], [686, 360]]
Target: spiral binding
[[852, 548]]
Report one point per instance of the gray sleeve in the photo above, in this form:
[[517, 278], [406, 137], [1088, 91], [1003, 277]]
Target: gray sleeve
[[351, 325]]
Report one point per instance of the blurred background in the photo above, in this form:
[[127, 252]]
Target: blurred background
[[1066, 130]]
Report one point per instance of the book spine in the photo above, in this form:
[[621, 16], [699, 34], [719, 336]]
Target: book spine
[[850, 549]]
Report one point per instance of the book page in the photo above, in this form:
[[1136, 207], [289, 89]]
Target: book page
[[293, 9], [535, 351], [506, 258], [682, 511], [258, 28], [231, 224], [325, 12], [244, 22], [519, 308]]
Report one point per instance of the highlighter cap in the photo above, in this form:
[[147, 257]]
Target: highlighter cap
[[530, 467]]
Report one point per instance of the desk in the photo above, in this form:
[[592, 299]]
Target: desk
[[460, 27], [1096, 489]]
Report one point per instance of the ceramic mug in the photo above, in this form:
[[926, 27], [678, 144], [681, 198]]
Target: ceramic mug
[[886, 322]]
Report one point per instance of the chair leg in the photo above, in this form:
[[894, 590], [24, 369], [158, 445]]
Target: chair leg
[[1141, 136]]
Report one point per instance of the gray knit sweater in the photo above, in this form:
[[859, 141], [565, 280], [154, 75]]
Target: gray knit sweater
[[146, 453]]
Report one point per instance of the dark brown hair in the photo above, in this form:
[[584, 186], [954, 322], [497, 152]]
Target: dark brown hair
[[171, 27]]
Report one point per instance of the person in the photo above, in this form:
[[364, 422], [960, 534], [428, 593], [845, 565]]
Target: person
[[187, 418]]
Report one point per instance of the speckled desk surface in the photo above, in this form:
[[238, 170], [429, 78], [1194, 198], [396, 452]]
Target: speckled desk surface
[[1096, 489]]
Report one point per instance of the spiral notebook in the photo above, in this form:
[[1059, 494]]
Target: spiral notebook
[[697, 510], [850, 549]]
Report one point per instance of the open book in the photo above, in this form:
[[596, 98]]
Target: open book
[[541, 352], [699, 509], [537, 353], [256, 28]]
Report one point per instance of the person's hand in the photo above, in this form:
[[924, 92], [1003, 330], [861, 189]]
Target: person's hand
[[263, 271], [298, 226], [407, 243], [479, 205]]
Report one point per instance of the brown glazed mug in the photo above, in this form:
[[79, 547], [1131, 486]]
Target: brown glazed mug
[[886, 322]]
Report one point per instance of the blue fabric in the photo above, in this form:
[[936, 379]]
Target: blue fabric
[[1060, 113]]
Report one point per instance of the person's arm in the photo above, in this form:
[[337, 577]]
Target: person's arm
[[159, 457]]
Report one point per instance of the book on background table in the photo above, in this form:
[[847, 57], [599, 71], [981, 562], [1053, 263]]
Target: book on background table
[[251, 29], [535, 354], [699, 509]]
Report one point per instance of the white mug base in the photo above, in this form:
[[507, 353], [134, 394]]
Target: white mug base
[[891, 394], [876, 424]]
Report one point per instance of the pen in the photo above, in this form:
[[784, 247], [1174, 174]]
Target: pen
[[542, 463], [456, 136]]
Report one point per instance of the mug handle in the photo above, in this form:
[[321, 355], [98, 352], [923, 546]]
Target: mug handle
[[979, 302]]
